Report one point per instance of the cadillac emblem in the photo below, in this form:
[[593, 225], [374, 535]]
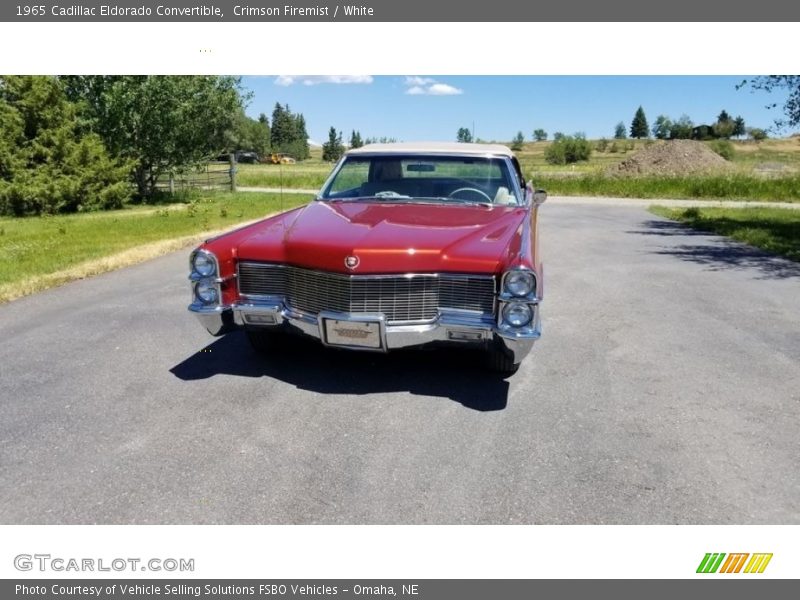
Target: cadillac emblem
[[351, 262]]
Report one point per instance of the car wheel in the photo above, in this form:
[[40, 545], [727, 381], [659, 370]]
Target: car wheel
[[263, 342], [501, 361]]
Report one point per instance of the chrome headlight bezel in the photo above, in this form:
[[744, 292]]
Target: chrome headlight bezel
[[206, 291], [519, 283], [520, 308], [203, 263]]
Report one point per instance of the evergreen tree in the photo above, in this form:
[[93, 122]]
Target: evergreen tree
[[620, 132], [516, 143], [355, 139], [283, 128], [739, 128], [333, 149], [49, 162], [639, 127], [300, 149]]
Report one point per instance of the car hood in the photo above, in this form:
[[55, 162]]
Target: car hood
[[389, 237]]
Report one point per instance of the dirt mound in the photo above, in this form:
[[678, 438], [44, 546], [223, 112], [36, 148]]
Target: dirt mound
[[673, 157]]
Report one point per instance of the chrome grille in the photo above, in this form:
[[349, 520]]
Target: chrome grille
[[401, 298]]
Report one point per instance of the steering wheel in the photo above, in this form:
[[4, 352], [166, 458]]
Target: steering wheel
[[470, 189]]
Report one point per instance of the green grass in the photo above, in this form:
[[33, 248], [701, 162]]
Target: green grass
[[775, 230], [734, 186], [36, 251], [306, 175]]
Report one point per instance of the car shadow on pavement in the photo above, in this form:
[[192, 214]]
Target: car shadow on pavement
[[718, 252], [456, 374]]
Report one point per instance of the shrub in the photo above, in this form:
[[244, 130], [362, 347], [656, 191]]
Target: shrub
[[724, 148], [567, 150], [601, 145]]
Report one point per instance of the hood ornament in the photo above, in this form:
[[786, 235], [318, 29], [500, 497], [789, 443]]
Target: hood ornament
[[351, 262]]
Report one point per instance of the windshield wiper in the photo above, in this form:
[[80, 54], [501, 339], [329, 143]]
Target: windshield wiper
[[448, 200], [379, 196]]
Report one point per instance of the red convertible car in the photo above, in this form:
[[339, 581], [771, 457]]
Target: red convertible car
[[405, 245]]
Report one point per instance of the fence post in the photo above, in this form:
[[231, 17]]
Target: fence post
[[232, 161], [171, 184]]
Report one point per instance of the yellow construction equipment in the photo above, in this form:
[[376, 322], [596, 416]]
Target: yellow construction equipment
[[281, 158]]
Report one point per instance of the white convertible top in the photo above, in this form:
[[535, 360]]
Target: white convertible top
[[458, 148]]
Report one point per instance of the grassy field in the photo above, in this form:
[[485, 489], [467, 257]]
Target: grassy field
[[769, 170], [771, 155], [772, 229], [309, 174], [736, 186], [40, 252]]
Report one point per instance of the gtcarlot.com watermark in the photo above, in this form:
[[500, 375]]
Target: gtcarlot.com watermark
[[59, 564]]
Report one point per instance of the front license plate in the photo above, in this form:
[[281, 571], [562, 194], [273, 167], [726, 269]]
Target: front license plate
[[353, 333]]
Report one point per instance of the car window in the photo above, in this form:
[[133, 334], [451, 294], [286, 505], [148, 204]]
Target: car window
[[442, 178], [350, 177]]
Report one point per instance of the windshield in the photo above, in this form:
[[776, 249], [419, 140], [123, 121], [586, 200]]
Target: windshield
[[440, 179]]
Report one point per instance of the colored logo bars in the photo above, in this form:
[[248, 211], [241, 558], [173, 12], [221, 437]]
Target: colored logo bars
[[734, 562]]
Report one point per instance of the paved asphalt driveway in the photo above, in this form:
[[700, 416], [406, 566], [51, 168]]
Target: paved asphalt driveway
[[666, 389]]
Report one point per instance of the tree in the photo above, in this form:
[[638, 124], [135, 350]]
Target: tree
[[724, 126], [757, 134], [516, 143], [791, 106], [539, 135], [333, 149], [739, 128], [283, 129], [160, 122], [464, 135], [639, 127], [49, 163], [289, 134], [681, 129], [662, 127], [299, 146], [558, 136], [355, 140], [620, 133], [249, 135]]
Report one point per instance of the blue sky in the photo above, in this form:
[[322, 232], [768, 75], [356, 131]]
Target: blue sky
[[434, 107]]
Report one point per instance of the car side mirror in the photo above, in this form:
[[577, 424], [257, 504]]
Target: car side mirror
[[535, 197]]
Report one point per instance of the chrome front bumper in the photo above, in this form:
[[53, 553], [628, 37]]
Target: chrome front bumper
[[449, 328]]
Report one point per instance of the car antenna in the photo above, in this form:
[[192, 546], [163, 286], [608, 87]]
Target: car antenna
[[280, 171]]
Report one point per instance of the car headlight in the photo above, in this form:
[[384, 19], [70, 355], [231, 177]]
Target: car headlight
[[203, 264], [517, 314], [520, 283], [206, 292]]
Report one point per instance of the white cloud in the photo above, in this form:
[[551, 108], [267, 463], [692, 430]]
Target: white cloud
[[418, 81], [287, 80], [426, 86], [442, 89]]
